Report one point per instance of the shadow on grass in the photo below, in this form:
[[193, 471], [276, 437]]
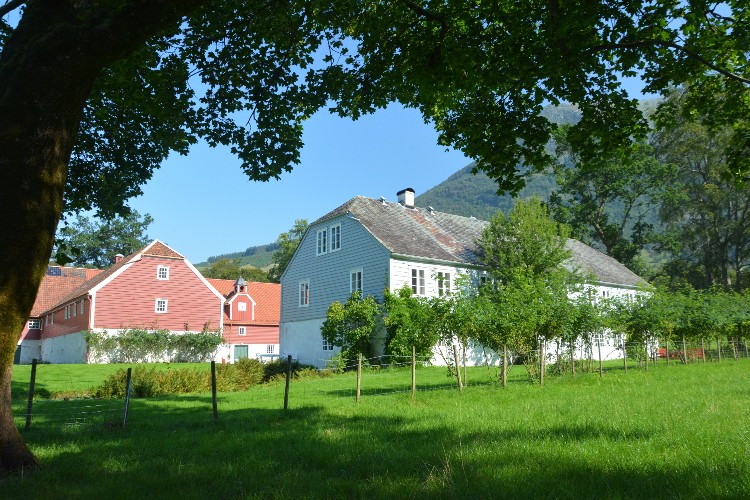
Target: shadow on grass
[[172, 449]]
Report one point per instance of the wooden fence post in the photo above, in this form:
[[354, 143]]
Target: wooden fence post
[[213, 391], [718, 347], [413, 372], [746, 349], [601, 367], [288, 378], [624, 354], [128, 385], [703, 350], [541, 363], [573, 359], [684, 350], [32, 384], [458, 368], [505, 365], [359, 376]]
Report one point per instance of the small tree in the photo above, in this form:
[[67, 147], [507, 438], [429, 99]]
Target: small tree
[[408, 322], [351, 326]]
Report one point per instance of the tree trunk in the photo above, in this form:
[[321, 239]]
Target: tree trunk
[[48, 67]]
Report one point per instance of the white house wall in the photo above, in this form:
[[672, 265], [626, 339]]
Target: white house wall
[[30, 350], [400, 274], [303, 340], [64, 349]]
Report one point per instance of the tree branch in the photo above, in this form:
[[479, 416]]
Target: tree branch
[[677, 47], [10, 6]]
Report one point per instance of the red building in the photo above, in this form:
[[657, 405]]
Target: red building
[[251, 318], [153, 288]]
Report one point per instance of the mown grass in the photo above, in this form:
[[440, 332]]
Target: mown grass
[[670, 432]]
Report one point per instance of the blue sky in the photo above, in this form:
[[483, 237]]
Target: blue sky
[[203, 204]]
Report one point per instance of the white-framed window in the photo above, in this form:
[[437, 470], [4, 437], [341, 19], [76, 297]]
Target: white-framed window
[[417, 281], [80, 307], [162, 272], [355, 281], [74, 309], [242, 330], [597, 339], [160, 305], [270, 349], [35, 324], [304, 293], [322, 242], [444, 283], [242, 306], [46, 319], [67, 312], [335, 237], [327, 346]]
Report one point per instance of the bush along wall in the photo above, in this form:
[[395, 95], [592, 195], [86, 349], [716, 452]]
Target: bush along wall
[[136, 345]]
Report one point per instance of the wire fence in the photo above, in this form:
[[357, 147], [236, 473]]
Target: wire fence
[[354, 380]]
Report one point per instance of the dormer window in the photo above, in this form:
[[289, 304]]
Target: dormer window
[[242, 306], [162, 273]]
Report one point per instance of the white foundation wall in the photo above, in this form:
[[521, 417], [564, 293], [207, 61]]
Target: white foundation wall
[[225, 354], [476, 355], [30, 350], [303, 340], [66, 349]]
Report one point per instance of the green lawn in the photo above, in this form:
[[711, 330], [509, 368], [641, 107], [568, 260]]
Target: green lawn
[[670, 432]]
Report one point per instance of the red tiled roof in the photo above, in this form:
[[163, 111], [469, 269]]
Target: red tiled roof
[[267, 297], [159, 249], [55, 287]]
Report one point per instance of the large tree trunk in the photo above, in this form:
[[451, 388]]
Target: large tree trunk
[[47, 69]]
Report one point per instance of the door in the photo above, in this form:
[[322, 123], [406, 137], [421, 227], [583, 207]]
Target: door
[[240, 352]]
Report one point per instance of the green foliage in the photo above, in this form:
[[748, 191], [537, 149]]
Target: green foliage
[[223, 269], [352, 325], [136, 345], [276, 369], [408, 323], [287, 243], [89, 242], [706, 229], [151, 382], [611, 201], [526, 242]]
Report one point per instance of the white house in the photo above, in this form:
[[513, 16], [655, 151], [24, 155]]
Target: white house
[[368, 245]]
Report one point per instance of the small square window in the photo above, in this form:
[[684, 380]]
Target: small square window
[[35, 324], [270, 349], [327, 346], [242, 306], [242, 330], [161, 305], [162, 273]]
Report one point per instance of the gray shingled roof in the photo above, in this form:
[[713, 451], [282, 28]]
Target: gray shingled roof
[[421, 233]]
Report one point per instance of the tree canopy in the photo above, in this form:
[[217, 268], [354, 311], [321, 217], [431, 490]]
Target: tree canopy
[[88, 242], [95, 95]]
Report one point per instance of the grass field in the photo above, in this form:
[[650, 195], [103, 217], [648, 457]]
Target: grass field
[[677, 431]]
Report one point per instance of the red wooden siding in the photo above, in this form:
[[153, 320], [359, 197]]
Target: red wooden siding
[[129, 300], [62, 326], [255, 334], [241, 316]]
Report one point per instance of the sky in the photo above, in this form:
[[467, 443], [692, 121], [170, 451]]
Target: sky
[[203, 204]]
